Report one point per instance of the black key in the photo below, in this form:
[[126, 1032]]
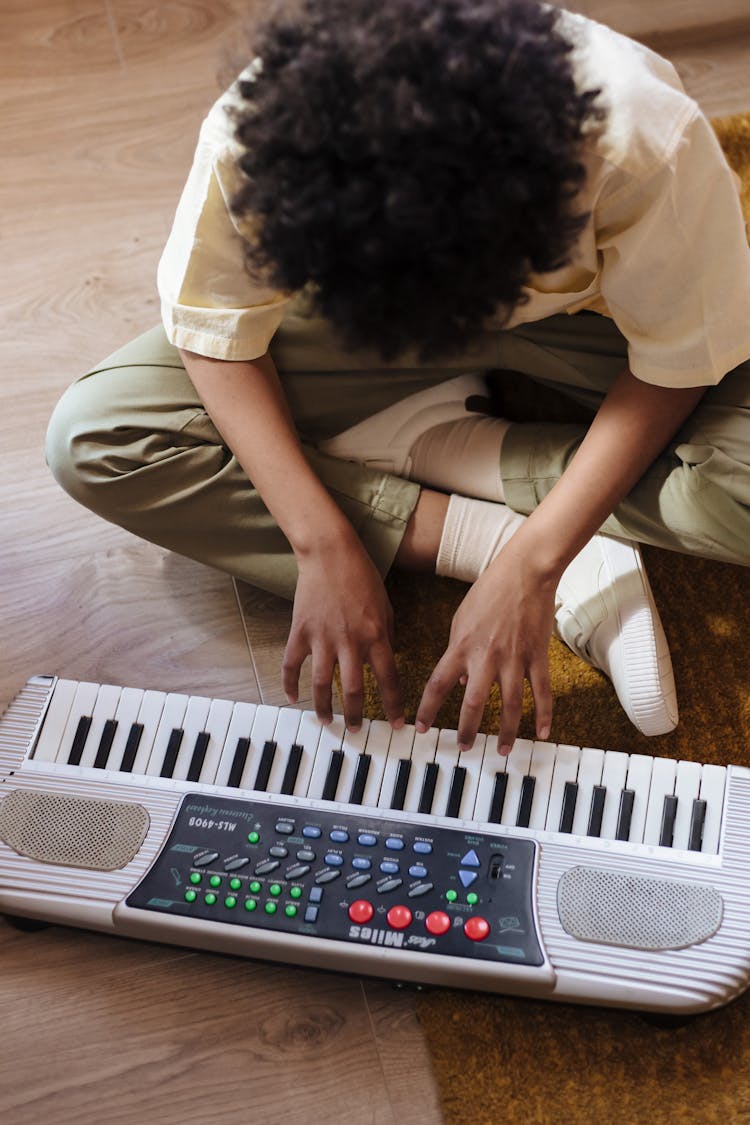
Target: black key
[[173, 749], [596, 813], [79, 740], [332, 777], [105, 744], [458, 781], [402, 781], [360, 779], [625, 814], [292, 769], [498, 798], [524, 805], [131, 748], [669, 812], [199, 756], [697, 820], [570, 796], [429, 781], [264, 766], [238, 762]]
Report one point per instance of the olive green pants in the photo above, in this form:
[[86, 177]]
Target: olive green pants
[[132, 442]]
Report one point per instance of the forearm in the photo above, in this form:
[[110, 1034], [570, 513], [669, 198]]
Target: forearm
[[246, 403], [632, 427]]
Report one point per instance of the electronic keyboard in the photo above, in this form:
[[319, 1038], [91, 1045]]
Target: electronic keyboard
[[566, 873]]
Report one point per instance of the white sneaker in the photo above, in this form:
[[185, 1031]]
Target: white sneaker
[[385, 440], [605, 612]]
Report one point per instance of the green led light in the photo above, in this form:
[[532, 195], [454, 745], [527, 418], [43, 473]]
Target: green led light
[[472, 898], [290, 910], [230, 901], [296, 892], [255, 887], [451, 896], [215, 880], [271, 907], [210, 898], [274, 890], [190, 896], [251, 903], [235, 884], [253, 837], [195, 877]]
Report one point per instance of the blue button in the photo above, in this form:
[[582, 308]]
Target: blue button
[[339, 836], [467, 877], [394, 844], [311, 914], [471, 859], [389, 867], [311, 831], [421, 847], [334, 860], [417, 871], [316, 894], [362, 863], [367, 840]]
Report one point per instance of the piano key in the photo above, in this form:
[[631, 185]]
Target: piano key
[[541, 768], [596, 811], [240, 726], [639, 780], [193, 724], [149, 718], [445, 761], [614, 774], [566, 771], [360, 779], [82, 706], [455, 796], [264, 766], [352, 747], [687, 787], [333, 773], [216, 726], [308, 737], [516, 767], [285, 736], [79, 740], [523, 816], [399, 750], [169, 761], [429, 783], [471, 762], [331, 738], [713, 781], [499, 792], [135, 734], [697, 821], [291, 770], [199, 756], [625, 814], [663, 777], [590, 766], [262, 732], [493, 763], [422, 754], [567, 812], [104, 749], [667, 820], [173, 713], [378, 741], [105, 707], [401, 785], [238, 763], [55, 720], [126, 714]]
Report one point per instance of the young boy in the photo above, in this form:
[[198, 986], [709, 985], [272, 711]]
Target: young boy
[[393, 199]]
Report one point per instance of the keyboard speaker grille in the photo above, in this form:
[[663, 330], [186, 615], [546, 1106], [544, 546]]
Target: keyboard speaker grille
[[636, 912], [72, 831]]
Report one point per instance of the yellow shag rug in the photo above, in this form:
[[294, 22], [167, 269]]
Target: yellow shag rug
[[501, 1060]]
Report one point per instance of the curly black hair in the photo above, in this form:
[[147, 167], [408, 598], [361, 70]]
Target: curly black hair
[[415, 160]]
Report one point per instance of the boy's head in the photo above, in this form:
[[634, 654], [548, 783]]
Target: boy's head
[[416, 160]]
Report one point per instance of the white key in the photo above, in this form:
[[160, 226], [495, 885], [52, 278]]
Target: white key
[[541, 768], [422, 753], [713, 782], [240, 726], [264, 724], [446, 759], [285, 736], [492, 764], [353, 746], [399, 750], [663, 777], [308, 737], [687, 787], [516, 768], [614, 773], [590, 768], [172, 717], [196, 717], [639, 780], [216, 727], [566, 769], [149, 717], [128, 706], [378, 740], [105, 707], [55, 721], [471, 760], [83, 703], [331, 737]]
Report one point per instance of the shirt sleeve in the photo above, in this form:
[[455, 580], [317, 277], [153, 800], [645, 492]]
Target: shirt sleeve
[[210, 304], [676, 265]]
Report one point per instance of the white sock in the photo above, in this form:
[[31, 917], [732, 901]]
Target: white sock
[[461, 457], [474, 532]]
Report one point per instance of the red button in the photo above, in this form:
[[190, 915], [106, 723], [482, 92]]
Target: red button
[[438, 922], [361, 910], [399, 917], [477, 928]]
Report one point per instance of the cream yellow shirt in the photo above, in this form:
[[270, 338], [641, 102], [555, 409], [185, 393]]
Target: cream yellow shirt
[[664, 252]]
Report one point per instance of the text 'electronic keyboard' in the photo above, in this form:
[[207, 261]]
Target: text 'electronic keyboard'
[[561, 872]]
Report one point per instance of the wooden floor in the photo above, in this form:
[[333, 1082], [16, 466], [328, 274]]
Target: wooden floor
[[101, 101]]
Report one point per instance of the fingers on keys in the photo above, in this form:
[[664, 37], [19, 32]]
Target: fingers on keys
[[350, 665]]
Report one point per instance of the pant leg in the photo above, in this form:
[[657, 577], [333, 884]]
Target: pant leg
[[695, 498], [132, 442]]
